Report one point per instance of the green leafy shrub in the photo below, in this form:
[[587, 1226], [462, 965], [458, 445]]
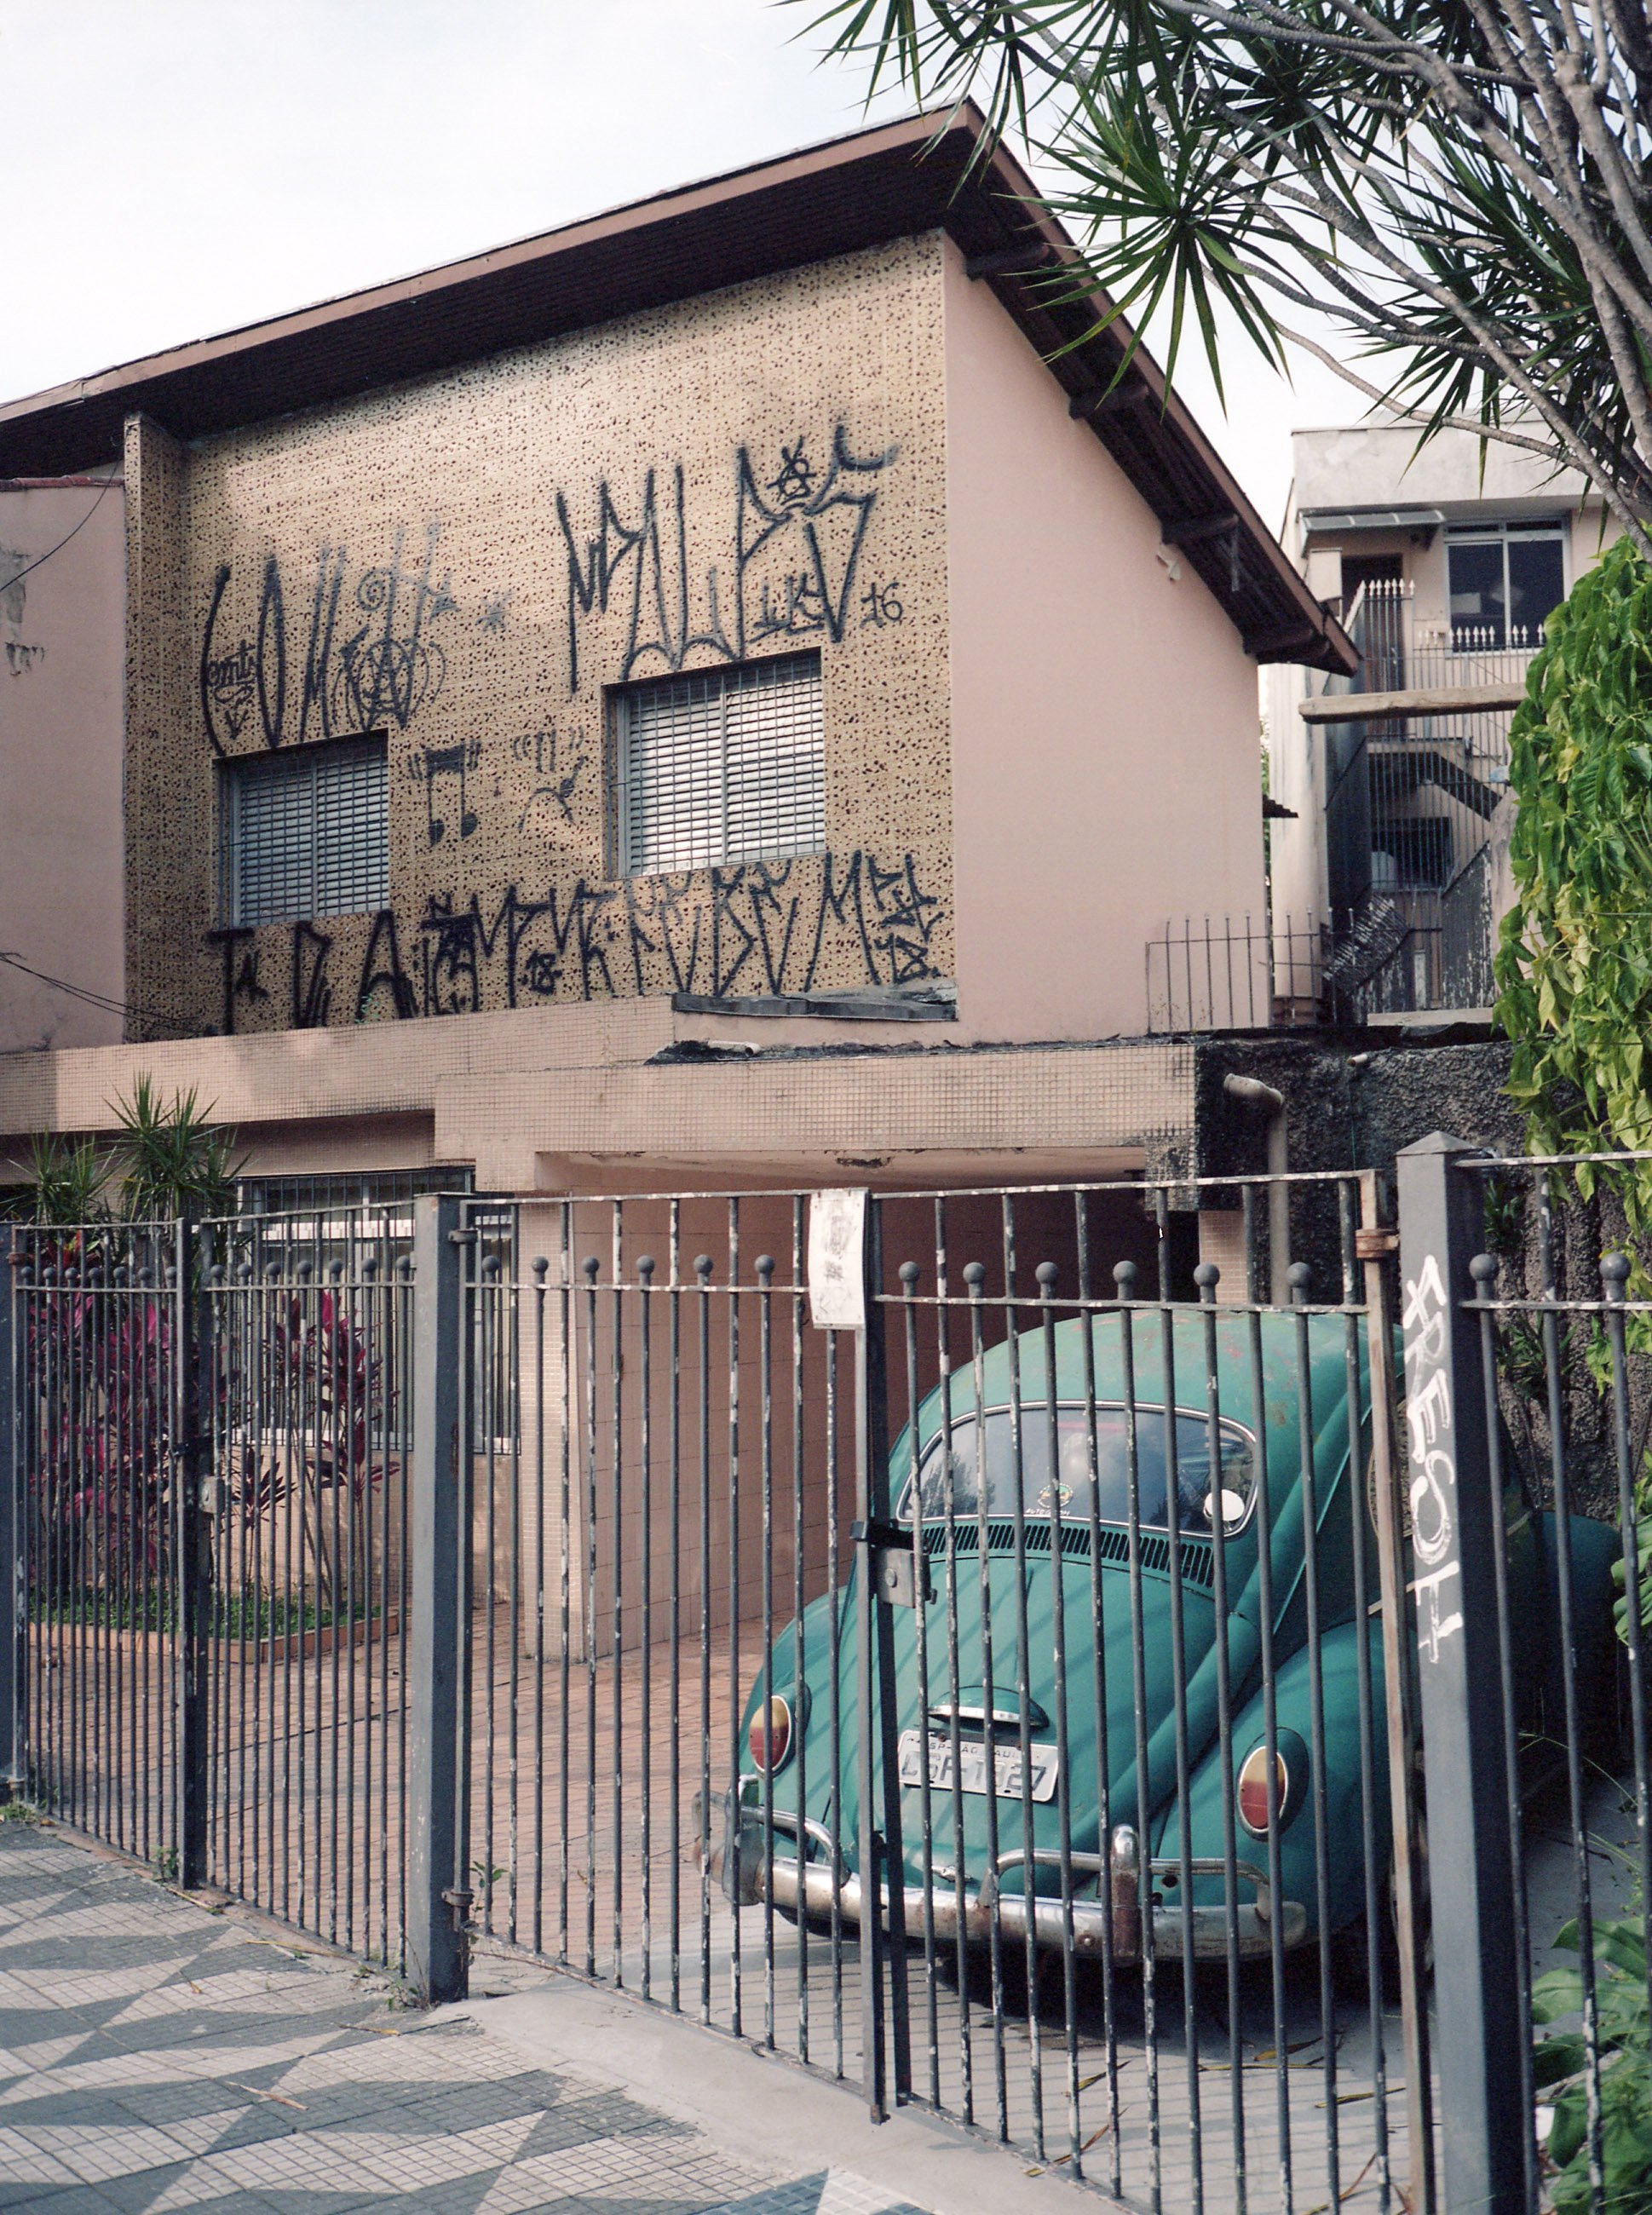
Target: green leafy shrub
[[169, 1156], [1575, 962], [1625, 2074]]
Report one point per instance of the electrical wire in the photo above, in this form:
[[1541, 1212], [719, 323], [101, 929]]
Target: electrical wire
[[93, 999], [17, 576]]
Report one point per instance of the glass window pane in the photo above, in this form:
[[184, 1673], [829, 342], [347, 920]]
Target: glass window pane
[[1478, 614], [1536, 586], [958, 1471]]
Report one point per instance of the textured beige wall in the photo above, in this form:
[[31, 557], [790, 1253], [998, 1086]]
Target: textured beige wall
[[62, 582], [468, 563], [1106, 754]]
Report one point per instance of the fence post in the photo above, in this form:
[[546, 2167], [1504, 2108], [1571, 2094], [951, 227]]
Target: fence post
[[14, 1599], [436, 1532], [1457, 1521], [195, 1551], [883, 1961]]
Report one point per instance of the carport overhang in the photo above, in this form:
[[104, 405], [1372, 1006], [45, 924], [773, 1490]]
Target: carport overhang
[[637, 1095]]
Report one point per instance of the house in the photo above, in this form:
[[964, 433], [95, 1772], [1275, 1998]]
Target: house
[[722, 693], [1443, 565]]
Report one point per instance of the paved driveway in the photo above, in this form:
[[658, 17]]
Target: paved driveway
[[154, 2055]]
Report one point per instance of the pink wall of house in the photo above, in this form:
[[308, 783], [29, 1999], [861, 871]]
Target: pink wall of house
[[62, 676], [1106, 757]]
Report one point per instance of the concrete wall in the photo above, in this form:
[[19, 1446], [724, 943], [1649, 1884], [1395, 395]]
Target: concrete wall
[[469, 563], [1106, 759], [60, 756]]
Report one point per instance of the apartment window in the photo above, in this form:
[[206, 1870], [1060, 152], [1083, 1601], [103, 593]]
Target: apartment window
[[304, 831], [722, 766], [1505, 579]]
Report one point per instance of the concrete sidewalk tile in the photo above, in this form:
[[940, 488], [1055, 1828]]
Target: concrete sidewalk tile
[[185, 2065], [75, 2199]]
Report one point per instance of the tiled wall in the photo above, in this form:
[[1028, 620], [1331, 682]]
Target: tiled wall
[[468, 564]]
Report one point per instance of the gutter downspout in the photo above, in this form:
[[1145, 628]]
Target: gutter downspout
[[1254, 1093]]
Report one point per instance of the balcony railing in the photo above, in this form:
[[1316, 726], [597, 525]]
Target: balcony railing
[[1398, 654], [1408, 953]]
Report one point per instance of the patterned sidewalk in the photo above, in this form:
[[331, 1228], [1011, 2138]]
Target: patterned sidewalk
[[154, 2055]]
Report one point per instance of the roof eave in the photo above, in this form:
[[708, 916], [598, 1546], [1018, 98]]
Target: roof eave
[[896, 180]]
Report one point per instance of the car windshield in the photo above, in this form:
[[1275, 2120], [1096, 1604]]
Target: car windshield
[[959, 1470]]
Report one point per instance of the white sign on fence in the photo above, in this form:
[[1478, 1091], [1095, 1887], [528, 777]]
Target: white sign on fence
[[837, 1258]]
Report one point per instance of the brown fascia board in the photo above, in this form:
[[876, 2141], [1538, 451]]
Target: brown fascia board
[[891, 182]]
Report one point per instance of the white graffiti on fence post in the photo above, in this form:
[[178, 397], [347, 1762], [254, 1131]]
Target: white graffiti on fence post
[[1434, 1471]]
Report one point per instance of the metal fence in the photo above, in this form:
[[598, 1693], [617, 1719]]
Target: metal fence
[[1529, 1404], [212, 1421], [1395, 954], [971, 1642], [98, 1357], [753, 1628]]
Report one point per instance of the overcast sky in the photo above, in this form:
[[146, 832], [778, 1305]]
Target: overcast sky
[[178, 167]]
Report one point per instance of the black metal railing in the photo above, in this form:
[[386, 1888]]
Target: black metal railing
[[1400, 952], [709, 1493], [975, 1643], [1226, 972]]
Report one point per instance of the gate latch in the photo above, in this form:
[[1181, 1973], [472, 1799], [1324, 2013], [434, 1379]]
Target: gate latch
[[891, 1560]]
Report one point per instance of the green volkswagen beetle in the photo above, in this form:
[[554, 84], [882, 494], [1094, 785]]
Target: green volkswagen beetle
[[1103, 1568]]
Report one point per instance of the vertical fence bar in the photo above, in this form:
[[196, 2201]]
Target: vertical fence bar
[[1456, 1520], [194, 1555], [436, 1951], [1373, 1242]]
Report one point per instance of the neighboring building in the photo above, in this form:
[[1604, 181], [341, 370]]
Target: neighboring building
[[62, 647], [726, 691], [1443, 565]]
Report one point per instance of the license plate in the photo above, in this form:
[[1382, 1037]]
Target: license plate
[[972, 1766]]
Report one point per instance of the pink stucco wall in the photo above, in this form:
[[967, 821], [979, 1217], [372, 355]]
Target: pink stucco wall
[[61, 664], [1106, 756]]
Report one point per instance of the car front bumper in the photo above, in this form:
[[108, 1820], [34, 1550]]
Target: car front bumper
[[1114, 1927]]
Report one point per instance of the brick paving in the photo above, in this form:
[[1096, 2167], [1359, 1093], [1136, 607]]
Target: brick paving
[[156, 2055]]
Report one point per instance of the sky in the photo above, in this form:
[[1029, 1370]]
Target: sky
[[176, 168]]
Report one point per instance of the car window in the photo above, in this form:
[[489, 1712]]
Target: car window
[[958, 1470]]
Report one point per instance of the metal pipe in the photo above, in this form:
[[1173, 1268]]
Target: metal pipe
[[1254, 1093]]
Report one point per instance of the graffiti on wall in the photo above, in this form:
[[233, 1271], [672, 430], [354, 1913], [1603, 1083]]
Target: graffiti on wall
[[338, 661], [754, 928], [786, 565], [20, 655], [342, 649], [558, 760], [770, 548]]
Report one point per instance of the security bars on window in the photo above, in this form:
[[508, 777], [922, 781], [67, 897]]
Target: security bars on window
[[722, 766], [304, 832]]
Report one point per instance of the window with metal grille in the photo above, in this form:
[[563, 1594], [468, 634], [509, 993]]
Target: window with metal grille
[[725, 765], [304, 832]]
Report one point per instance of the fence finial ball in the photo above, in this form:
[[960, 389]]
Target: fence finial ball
[[1047, 1273], [1207, 1276], [910, 1274], [1614, 1271], [1298, 1276], [1483, 1269]]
